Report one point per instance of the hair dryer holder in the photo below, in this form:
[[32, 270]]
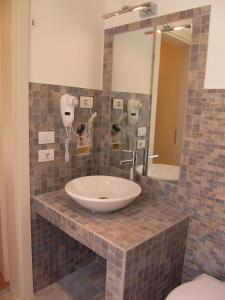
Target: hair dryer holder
[[84, 133], [84, 139]]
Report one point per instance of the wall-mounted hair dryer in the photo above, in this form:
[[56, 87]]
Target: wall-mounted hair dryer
[[133, 108], [67, 105]]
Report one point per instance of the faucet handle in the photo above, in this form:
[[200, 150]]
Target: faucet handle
[[132, 160], [126, 161], [153, 156], [128, 151]]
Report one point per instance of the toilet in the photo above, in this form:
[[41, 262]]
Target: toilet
[[203, 287]]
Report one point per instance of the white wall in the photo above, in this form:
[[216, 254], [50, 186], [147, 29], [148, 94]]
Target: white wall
[[132, 62], [215, 73], [67, 39], [67, 42]]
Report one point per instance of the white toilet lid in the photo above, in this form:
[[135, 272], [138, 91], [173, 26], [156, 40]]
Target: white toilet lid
[[203, 288]]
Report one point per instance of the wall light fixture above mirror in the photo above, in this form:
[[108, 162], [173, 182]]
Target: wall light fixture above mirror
[[146, 9]]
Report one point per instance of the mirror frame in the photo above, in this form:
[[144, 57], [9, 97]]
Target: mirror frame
[[200, 19]]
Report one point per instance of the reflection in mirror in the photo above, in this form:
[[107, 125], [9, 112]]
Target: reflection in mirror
[[132, 62], [131, 93], [168, 102], [149, 87]]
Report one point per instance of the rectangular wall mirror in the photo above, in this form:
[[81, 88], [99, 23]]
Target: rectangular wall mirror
[[149, 91]]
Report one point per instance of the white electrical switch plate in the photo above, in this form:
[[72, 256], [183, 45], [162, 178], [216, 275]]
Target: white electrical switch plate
[[46, 155], [86, 102], [142, 131], [117, 103], [141, 144], [46, 137]]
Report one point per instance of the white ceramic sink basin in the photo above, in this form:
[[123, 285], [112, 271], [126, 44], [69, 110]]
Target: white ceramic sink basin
[[102, 193]]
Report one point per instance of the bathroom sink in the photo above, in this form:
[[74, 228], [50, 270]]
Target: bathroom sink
[[102, 193]]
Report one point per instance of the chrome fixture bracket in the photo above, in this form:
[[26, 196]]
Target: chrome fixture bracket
[[146, 158], [133, 162], [147, 13]]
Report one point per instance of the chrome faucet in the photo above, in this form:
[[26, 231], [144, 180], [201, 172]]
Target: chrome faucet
[[145, 161], [133, 161]]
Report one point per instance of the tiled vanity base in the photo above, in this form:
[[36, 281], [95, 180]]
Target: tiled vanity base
[[144, 244], [87, 283], [55, 254]]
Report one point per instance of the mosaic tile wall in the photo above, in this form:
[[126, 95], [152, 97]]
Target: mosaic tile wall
[[45, 115], [201, 187], [154, 268], [55, 254]]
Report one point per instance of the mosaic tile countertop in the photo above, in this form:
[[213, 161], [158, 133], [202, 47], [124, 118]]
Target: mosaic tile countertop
[[124, 229], [144, 243]]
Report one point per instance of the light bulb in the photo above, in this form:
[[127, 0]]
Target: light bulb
[[139, 8], [178, 28]]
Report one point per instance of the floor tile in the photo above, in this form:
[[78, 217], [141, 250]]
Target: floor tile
[[7, 295], [87, 283], [3, 284]]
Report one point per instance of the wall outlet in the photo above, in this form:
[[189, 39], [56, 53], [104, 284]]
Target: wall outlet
[[46, 137], [86, 102], [142, 131], [141, 144], [117, 103], [46, 155]]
